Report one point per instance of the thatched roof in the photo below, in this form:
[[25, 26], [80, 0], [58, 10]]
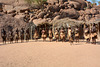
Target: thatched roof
[[41, 21], [66, 22], [95, 21]]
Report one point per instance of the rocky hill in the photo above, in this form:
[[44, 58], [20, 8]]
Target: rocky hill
[[53, 9]]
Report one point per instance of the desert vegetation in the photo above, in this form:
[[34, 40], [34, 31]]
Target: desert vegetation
[[39, 2]]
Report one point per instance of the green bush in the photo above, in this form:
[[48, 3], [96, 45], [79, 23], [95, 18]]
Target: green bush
[[94, 1], [99, 2], [39, 2]]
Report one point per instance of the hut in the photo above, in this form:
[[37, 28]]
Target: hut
[[66, 22], [42, 24]]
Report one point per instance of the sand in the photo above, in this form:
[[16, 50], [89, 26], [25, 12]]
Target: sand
[[50, 54]]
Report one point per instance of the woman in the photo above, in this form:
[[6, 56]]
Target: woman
[[56, 35], [44, 34], [50, 35], [36, 35], [62, 34]]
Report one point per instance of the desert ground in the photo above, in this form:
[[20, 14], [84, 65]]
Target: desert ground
[[50, 54]]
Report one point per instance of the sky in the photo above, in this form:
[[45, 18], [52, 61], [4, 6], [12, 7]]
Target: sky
[[96, 0]]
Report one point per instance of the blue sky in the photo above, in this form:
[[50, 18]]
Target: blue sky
[[96, 0]]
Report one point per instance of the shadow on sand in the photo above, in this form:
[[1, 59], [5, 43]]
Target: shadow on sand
[[82, 41]]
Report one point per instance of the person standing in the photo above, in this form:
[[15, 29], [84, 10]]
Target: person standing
[[77, 34], [44, 34], [36, 35], [87, 34], [62, 34], [56, 34], [50, 34], [22, 34], [94, 33], [3, 35]]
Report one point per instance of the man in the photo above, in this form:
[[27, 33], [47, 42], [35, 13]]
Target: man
[[3, 35], [22, 34], [44, 35], [87, 34], [62, 34], [10, 36], [50, 34], [70, 35], [77, 34], [94, 33], [27, 35], [56, 34], [16, 35]]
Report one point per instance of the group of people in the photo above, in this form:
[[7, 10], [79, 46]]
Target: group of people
[[90, 33], [15, 36]]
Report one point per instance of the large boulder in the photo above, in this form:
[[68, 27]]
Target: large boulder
[[81, 12], [9, 9], [76, 5], [87, 17], [56, 1], [82, 2], [41, 14], [53, 8], [52, 1], [21, 9], [61, 1], [19, 16], [14, 2], [71, 13], [94, 11], [87, 11], [62, 6]]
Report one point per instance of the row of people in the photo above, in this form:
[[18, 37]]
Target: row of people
[[90, 33], [11, 36]]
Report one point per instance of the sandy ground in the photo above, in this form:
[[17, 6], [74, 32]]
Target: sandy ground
[[50, 54]]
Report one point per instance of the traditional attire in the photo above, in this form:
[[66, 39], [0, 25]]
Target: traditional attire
[[50, 34], [76, 33], [36, 35], [93, 33], [44, 34], [62, 34], [56, 34], [87, 34]]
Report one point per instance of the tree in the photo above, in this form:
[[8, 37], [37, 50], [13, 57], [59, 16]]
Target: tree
[[99, 2], [39, 2], [94, 1]]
